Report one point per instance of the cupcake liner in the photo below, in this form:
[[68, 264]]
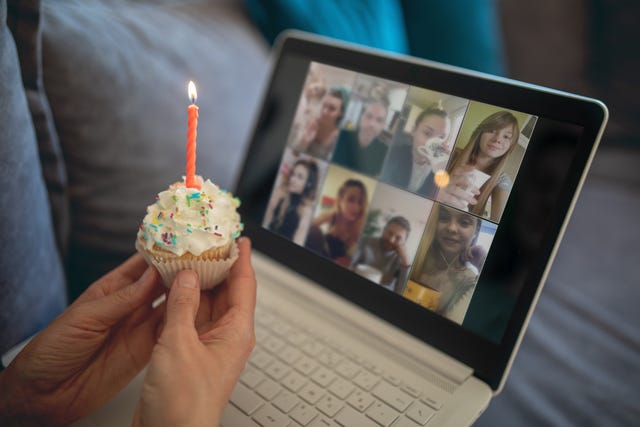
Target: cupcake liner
[[210, 272]]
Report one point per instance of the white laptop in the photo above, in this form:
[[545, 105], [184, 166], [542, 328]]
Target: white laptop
[[404, 216]]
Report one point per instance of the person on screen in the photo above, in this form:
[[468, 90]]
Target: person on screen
[[409, 165], [290, 208], [384, 259], [343, 223], [320, 129], [485, 156], [452, 259], [361, 149]]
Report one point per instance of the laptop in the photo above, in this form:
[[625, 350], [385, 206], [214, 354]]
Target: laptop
[[404, 216]]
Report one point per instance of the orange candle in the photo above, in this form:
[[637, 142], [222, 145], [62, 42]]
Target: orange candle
[[192, 132]]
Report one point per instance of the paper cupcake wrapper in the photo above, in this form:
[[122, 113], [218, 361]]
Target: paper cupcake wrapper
[[210, 272]]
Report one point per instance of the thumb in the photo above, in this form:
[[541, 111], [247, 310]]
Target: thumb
[[183, 300]]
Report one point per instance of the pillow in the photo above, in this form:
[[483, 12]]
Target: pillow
[[24, 22], [116, 78], [31, 276], [376, 23], [465, 33]]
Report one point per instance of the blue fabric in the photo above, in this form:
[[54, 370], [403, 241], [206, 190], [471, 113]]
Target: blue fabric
[[375, 23], [465, 33], [32, 285]]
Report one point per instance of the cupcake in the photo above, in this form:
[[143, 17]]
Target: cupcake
[[191, 228]]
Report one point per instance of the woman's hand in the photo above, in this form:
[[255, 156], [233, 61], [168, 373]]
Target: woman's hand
[[87, 354], [459, 193], [202, 350]]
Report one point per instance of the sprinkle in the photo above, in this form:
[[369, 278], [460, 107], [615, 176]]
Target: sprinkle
[[160, 215], [188, 201], [189, 230], [171, 216], [173, 239], [210, 206], [153, 226], [217, 234], [216, 227], [175, 199]]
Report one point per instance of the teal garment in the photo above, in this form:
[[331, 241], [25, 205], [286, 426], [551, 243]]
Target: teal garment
[[465, 33], [375, 23]]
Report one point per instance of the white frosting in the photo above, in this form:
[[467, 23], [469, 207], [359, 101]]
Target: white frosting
[[191, 220]]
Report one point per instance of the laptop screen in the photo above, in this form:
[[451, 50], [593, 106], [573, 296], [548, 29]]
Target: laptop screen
[[400, 184], [431, 197]]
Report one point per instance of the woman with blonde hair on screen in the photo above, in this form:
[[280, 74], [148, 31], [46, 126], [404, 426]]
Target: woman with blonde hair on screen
[[485, 157], [344, 223]]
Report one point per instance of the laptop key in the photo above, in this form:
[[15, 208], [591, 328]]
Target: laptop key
[[294, 381], [360, 400], [304, 414], [246, 400], [306, 365], [323, 377], [232, 417], [251, 378], [348, 417], [404, 422], [260, 359], [323, 422], [382, 414], [366, 380], [268, 416], [289, 355], [312, 347], [329, 405], [273, 344], [392, 396], [341, 388], [329, 358], [268, 389], [285, 401], [277, 370], [347, 369], [311, 393], [420, 413]]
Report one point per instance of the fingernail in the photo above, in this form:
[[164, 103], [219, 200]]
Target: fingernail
[[187, 279]]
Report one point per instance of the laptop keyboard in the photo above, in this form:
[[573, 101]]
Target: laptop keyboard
[[297, 378]]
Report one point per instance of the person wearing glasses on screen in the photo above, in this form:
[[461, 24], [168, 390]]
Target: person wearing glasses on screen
[[476, 172], [290, 208]]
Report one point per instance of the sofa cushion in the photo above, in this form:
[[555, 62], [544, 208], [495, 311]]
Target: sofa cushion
[[31, 276], [116, 76], [24, 22], [376, 23]]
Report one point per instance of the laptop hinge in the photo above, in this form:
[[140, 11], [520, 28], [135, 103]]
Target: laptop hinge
[[416, 351]]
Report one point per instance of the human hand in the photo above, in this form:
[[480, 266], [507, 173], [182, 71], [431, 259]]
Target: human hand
[[459, 193], [88, 353], [203, 348]]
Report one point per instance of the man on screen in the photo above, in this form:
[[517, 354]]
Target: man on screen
[[361, 149], [384, 259]]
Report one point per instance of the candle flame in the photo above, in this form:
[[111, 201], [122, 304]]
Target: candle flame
[[193, 95]]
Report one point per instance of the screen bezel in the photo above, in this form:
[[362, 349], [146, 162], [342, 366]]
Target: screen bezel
[[489, 361]]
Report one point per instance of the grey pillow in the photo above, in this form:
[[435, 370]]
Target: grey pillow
[[32, 289], [116, 74]]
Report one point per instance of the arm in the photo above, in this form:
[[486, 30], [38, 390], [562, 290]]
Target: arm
[[498, 200], [303, 226], [271, 208], [323, 218]]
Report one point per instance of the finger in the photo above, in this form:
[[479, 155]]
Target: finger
[[123, 275], [183, 301], [242, 280], [111, 308]]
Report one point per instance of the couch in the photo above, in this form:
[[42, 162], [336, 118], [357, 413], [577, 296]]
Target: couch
[[93, 100]]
